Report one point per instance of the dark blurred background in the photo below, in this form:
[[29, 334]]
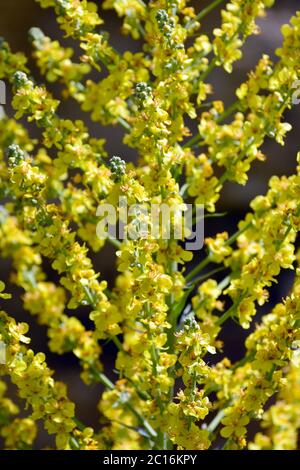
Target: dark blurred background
[[16, 18]]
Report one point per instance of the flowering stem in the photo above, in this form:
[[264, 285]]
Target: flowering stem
[[228, 313], [108, 384], [161, 440], [207, 260], [102, 378], [195, 140]]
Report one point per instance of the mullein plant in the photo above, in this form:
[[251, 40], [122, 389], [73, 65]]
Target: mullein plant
[[164, 316]]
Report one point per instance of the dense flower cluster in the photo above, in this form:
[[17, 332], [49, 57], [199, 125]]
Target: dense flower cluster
[[174, 387], [48, 399]]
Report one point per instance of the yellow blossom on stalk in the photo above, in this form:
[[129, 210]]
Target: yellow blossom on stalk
[[20, 434], [269, 249], [2, 294], [55, 62], [281, 421], [270, 349], [133, 11], [56, 228], [35, 384], [10, 62], [7, 407], [238, 22], [157, 326], [184, 434], [218, 247], [205, 302]]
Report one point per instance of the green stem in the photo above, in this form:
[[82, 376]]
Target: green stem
[[198, 268], [124, 124], [117, 342], [114, 242], [155, 359], [224, 283], [226, 315], [100, 377], [207, 275], [244, 361], [233, 107], [142, 421], [233, 238], [192, 142], [141, 29], [74, 443], [209, 69], [216, 421]]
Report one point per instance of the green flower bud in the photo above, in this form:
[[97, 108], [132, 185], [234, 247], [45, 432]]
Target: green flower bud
[[142, 93], [162, 18], [118, 167], [165, 23], [20, 79], [15, 155]]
